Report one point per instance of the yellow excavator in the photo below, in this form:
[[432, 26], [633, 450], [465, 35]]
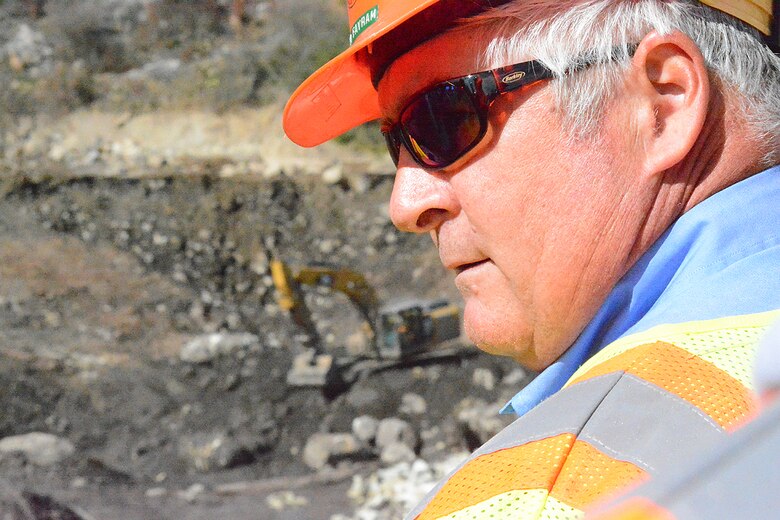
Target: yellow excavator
[[404, 333]]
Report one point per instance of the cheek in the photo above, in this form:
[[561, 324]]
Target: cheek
[[514, 199]]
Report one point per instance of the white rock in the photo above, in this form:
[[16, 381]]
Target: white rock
[[41, 449], [28, 47], [396, 452], [484, 378], [358, 488], [333, 174], [57, 152], [327, 246], [364, 428], [392, 430], [156, 492], [228, 170], [412, 404], [210, 346], [392, 491], [321, 448], [162, 69], [259, 263], [192, 492]]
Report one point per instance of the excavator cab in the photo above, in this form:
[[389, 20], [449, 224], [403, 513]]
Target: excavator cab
[[408, 328], [402, 331]]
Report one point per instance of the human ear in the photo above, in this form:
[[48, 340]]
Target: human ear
[[674, 87]]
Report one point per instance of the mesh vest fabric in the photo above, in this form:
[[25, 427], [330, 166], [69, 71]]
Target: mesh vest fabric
[[640, 406], [733, 480]]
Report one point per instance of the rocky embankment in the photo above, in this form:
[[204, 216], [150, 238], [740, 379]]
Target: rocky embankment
[[144, 352]]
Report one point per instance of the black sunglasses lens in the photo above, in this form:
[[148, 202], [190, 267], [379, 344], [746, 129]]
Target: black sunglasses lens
[[393, 145], [443, 124]]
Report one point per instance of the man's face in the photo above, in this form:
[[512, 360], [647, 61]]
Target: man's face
[[536, 228]]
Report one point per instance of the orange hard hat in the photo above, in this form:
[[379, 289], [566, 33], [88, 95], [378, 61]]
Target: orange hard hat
[[342, 93]]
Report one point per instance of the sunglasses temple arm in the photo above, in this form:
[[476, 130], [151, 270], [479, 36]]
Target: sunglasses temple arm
[[513, 77]]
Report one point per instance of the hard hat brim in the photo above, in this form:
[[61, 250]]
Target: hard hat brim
[[340, 95]]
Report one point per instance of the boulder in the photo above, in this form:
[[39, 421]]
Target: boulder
[[208, 347], [484, 378], [364, 428], [394, 430], [412, 404], [41, 449], [322, 448], [396, 452], [27, 48]]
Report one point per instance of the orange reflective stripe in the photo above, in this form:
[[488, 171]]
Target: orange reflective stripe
[[679, 372], [531, 466], [588, 475], [635, 508]]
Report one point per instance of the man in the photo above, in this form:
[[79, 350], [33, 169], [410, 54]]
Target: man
[[598, 175]]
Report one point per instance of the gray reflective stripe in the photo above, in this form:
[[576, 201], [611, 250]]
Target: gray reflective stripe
[[736, 479], [641, 423], [564, 412]]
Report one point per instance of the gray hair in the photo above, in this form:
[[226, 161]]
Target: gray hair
[[558, 33]]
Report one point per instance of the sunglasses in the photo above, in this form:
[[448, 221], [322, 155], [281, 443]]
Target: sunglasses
[[443, 123]]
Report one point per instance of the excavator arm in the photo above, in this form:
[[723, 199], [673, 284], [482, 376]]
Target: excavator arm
[[290, 298], [353, 285]]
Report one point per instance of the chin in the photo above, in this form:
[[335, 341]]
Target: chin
[[499, 336]]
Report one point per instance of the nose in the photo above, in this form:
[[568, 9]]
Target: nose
[[422, 199]]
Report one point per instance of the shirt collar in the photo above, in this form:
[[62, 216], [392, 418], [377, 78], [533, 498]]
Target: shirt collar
[[723, 254]]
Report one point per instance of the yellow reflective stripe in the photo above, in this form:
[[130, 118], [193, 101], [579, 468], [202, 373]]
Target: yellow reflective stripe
[[701, 336], [554, 509], [736, 360], [757, 13], [526, 503]]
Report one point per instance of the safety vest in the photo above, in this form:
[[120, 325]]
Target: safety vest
[[737, 479], [641, 405]]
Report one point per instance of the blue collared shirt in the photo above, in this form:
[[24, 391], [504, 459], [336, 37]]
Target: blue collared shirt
[[721, 258]]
